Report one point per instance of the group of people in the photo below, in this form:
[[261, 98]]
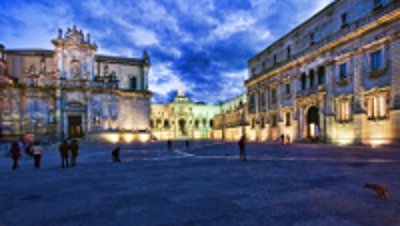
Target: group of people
[[32, 150], [285, 139], [67, 150], [35, 150], [169, 144]]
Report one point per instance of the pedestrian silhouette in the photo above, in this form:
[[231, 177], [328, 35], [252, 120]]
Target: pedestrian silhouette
[[64, 149], [74, 148], [169, 145], [115, 154], [187, 144], [242, 148], [37, 152], [15, 152]]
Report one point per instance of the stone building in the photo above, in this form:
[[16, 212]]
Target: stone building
[[72, 92], [183, 119], [232, 123], [334, 78]]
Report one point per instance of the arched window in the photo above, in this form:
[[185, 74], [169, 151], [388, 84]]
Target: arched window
[[196, 123], [211, 123], [321, 75], [166, 124], [151, 123], [204, 122]]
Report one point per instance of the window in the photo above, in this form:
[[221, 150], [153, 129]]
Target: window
[[211, 123], [288, 89], [133, 83], [273, 96], [32, 69], [288, 119], [262, 122], [252, 104], [377, 4], [311, 78], [312, 38], [274, 120], [343, 113], [343, 71], [262, 99], [321, 75], [377, 108], [275, 59], [253, 71], [344, 20], [289, 52], [263, 65], [166, 124], [303, 81], [376, 60], [253, 123], [196, 123]]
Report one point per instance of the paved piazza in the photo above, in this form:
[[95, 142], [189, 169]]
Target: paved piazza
[[206, 185]]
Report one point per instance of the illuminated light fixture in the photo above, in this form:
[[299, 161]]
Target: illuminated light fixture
[[111, 137], [144, 137], [128, 137]]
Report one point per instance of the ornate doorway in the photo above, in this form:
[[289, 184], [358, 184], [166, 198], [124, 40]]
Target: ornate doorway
[[75, 127], [182, 127], [313, 128]]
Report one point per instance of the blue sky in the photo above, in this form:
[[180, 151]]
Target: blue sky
[[201, 46]]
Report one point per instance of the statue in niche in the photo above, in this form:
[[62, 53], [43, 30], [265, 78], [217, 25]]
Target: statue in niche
[[75, 68]]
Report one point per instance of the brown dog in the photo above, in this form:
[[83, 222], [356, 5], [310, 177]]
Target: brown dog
[[379, 189]]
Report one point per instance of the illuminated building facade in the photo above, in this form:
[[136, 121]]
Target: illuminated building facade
[[183, 119], [334, 78], [232, 123], [71, 92]]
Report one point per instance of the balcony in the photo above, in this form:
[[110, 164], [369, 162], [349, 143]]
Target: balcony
[[334, 36]]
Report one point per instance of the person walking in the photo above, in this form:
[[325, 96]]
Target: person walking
[[15, 154], [115, 154], [169, 145], [64, 153], [187, 144], [242, 148], [37, 152], [74, 148]]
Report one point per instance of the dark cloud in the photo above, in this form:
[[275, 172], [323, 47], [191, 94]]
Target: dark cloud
[[201, 46]]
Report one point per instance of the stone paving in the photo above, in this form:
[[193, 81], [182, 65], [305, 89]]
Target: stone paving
[[204, 185]]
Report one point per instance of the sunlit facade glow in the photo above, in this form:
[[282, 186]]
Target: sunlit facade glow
[[72, 92], [339, 83]]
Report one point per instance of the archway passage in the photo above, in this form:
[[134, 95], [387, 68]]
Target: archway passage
[[182, 126], [313, 130]]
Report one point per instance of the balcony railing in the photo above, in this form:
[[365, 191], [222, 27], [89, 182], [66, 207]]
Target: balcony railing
[[68, 84]]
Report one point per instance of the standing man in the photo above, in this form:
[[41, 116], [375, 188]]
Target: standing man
[[74, 148], [169, 145], [242, 148], [37, 152], [64, 153], [15, 154]]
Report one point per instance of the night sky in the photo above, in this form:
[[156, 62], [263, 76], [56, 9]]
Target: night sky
[[201, 46]]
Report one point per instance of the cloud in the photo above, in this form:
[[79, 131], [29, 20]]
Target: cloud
[[201, 46]]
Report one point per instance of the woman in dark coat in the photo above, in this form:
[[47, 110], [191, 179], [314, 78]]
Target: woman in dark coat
[[15, 154]]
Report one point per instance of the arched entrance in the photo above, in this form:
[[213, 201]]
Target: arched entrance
[[182, 127], [313, 128]]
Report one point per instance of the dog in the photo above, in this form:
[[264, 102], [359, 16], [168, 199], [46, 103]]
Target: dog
[[379, 189]]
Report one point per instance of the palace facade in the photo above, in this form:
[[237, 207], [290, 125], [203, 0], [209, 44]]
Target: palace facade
[[334, 78], [72, 92], [232, 122], [183, 119]]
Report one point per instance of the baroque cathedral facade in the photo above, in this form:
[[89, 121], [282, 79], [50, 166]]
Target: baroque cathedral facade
[[334, 78], [72, 92]]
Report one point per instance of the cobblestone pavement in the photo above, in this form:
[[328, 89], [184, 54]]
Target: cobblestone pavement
[[204, 185]]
